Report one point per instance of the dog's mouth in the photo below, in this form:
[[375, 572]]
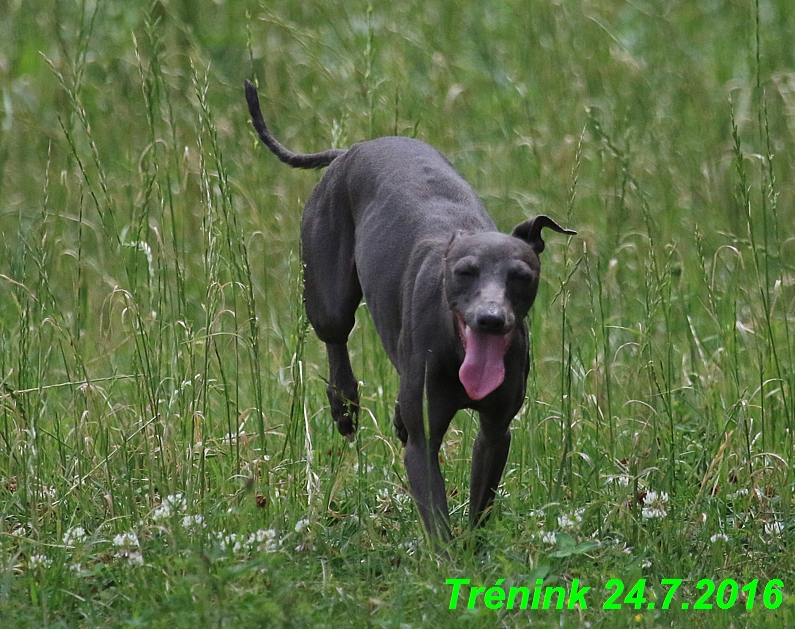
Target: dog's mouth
[[483, 369]]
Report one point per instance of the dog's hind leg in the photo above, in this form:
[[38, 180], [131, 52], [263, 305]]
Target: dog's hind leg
[[331, 295]]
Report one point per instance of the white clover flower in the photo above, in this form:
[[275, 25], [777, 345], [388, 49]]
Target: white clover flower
[[409, 547], [173, 503], [719, 537], [548, 537], [776, 527], [301, 525], [134, 559], [653, 505], [570, 521], [266, 540], [401, 498], [39, 561], [263, 535], [387, 501], [565, 522], [653, 496], [162, 513], [623, 480], [176, 501], [652, 513], [743, 491], [193, 522], [229, 541], [74, 536], [126, 541], [646, 563]]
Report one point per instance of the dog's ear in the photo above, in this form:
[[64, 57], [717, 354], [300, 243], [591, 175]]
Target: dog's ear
[[530, 231], [456, 235]]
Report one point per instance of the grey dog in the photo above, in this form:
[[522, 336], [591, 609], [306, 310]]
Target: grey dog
[[391, 220]]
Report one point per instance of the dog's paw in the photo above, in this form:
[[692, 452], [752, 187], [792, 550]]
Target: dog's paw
[[345, 412]]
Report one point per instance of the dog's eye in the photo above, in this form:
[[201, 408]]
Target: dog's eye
[[520, 273], [466, 268]]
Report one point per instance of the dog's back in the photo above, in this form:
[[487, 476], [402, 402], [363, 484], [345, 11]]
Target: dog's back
[[398, 193], [409, 181]]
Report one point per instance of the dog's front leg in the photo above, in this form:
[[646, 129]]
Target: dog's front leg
[[421, 456], [488, 462]]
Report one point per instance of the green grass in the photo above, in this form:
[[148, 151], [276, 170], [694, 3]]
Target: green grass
[[155, 360]]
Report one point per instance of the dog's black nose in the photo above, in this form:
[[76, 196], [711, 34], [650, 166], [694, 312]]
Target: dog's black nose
[[491, 321]]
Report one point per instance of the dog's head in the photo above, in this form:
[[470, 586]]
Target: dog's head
[[491, 281]]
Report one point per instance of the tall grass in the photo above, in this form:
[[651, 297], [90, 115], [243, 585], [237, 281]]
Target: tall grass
[[158, 376]]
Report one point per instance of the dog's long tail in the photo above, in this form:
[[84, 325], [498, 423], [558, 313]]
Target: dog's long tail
[[296, 160]]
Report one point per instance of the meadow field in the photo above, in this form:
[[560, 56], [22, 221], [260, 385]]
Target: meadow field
[[167, 456]]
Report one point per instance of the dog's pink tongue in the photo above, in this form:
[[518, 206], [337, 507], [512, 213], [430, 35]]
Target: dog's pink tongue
[[483, 369]]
